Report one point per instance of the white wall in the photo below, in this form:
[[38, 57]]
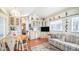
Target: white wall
[[62, 15]]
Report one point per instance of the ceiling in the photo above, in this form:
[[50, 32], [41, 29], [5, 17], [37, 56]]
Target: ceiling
[[40, 11]]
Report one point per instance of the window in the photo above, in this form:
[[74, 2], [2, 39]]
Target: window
[[56, 25], [2, 27], [75, 24]]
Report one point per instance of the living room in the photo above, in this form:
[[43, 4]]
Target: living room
[[39, 29]]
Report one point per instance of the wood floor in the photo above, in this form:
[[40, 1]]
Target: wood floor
[[32, 43], [37, 41]]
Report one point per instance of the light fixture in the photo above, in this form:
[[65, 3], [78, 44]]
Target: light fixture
[[15, 12]]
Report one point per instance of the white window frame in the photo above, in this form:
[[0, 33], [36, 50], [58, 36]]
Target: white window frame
[[75, 24], [54, 24], [2, 19]]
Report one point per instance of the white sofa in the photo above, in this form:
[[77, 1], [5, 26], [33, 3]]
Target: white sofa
[[64, 42]]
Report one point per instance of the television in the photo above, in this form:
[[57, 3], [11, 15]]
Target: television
[[44, 29]]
